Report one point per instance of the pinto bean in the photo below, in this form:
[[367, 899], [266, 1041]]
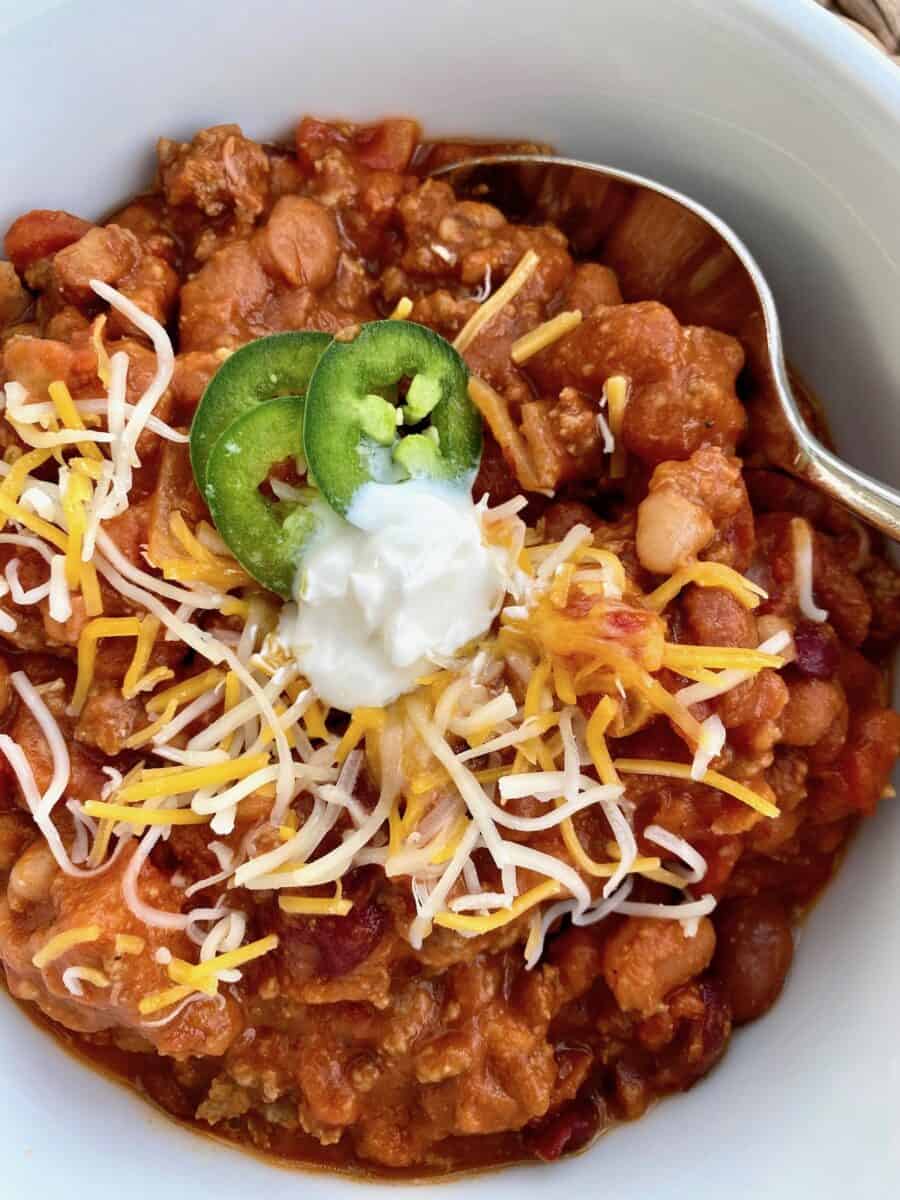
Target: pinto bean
[[813, 705], [671, 530], [31, 877], [300, 242], [713, 617], [565, 515]]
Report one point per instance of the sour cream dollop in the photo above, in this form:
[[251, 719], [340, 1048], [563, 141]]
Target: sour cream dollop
[[406, 580]]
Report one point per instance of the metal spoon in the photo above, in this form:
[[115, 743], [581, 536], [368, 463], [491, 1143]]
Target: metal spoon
[[534, 185]]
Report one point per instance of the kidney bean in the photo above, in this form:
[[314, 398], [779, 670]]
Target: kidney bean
[[704, 1027], [818, 651], [341, 943], [754, 950], [566, 1131]]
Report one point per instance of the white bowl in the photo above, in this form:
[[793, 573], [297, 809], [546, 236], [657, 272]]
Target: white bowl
[[775, 116]]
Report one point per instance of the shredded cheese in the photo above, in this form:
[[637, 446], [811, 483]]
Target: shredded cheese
[[402, 309], [129, 943], [362, 720], [709, 685], [163, 999], [135, 681], [71, 418], [503, 296], [496, 413], [140, 817], [803, 571], [315, 906], [181, 693], [15, 512], [671, 770], [176, 782], [202, 973], [73, 977], [705, 574], [544, 335], [63, 942], [12, 486], [93, 631], [676, 656], [615, 392], [461, 923]]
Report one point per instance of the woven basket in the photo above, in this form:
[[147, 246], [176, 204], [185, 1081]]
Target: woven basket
[[876, 20]]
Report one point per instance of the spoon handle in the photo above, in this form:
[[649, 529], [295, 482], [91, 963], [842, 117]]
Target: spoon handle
[[868, 498]]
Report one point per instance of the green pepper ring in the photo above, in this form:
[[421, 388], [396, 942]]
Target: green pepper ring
[[350, 375], [266, 544], [278, 365]]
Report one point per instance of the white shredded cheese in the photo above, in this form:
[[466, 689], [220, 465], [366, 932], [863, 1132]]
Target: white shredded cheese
[[803, 571]]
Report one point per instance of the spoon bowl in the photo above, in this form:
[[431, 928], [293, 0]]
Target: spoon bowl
[[584, 199]]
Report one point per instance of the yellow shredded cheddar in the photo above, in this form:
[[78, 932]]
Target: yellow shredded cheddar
[[189, 779], [139, 817], [75, 500], [164, 999], [13, 511], [616, 390], [199, 974], [705, 574], [544, 335], [88, 467], [534, 693], [448, 847], [146, 637], [221, 575], [314, 721], [562, 682], [63, 942], [90, 590], [483, 315], [470, 924], [129, 943], [361, 720], [71, 418], [562, 582], [103, 369], [597, 726], [717, 658], [14, 483], [93, 631], [315, 906], [402, 309], [188, 689], [713, 779], [149, 732]]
